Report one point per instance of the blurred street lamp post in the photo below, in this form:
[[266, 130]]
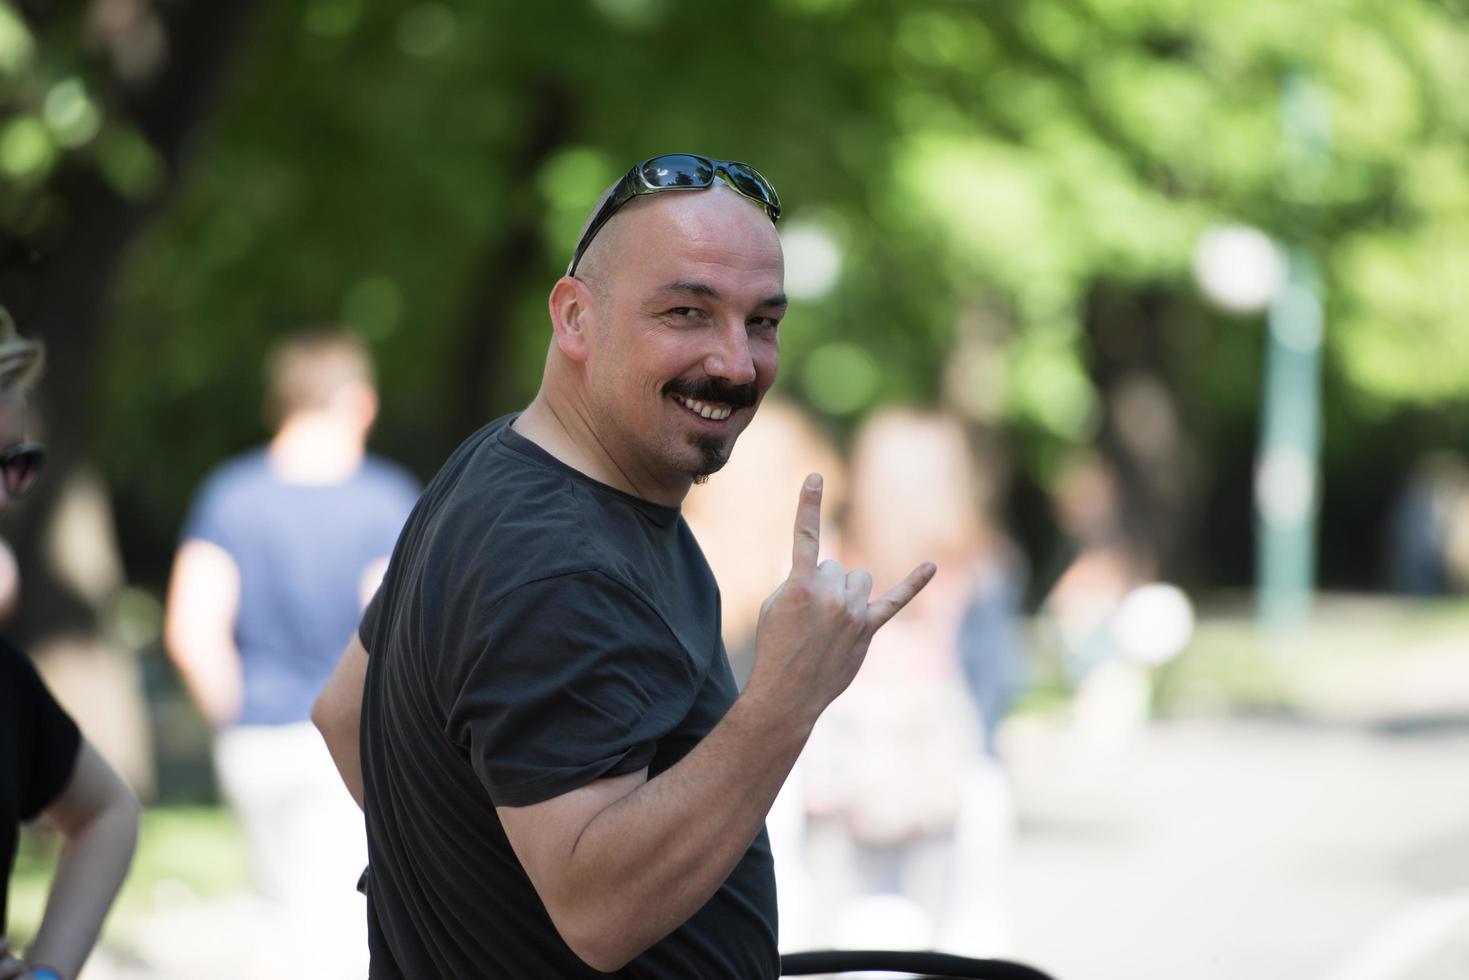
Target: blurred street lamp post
[[1290, 439], [1242, 271], [1286, 473]]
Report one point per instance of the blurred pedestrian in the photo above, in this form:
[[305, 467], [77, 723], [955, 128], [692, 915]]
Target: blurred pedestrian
[[47, 768], [906, 762], [1426, 536], [1109, 621], [281, 551]]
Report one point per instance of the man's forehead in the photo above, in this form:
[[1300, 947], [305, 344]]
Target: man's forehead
[[713, 223]]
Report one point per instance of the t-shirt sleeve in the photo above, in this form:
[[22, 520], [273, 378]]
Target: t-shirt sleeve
[[48, 739], [367, 626], [209, 514], [573, 678]]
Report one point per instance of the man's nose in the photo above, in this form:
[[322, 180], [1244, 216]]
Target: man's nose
[[731, 358]]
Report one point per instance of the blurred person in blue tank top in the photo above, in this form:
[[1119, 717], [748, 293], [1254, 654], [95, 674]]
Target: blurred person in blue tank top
[[282, 549]]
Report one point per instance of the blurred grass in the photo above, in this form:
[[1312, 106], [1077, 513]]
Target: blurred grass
[[1356, 657], [184, 854], [1358, 649]]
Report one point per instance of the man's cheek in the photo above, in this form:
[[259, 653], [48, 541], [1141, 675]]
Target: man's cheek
[[766, 368]]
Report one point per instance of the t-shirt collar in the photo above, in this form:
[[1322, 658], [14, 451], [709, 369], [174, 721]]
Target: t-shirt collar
[[657, 513]]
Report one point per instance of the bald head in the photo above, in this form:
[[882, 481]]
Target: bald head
[[714, 218]]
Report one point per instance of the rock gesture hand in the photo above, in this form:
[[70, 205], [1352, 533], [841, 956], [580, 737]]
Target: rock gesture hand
[[815, 628]]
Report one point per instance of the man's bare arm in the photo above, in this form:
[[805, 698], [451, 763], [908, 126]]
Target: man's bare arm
[[337, 714], [199, 627], [622, 862]]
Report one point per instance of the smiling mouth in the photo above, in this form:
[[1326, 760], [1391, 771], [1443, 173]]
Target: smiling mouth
[[714, 413]]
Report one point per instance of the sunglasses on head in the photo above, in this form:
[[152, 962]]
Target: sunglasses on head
[[679, 172], [19, 467]]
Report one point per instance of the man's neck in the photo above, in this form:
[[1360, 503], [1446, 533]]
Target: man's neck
[[564, 431], [310, 449]]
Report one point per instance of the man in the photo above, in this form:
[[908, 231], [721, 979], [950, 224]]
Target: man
[[283, 547], [558, 776]]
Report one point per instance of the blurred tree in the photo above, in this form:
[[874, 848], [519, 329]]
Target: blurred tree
[[993, 205], [99, 101]]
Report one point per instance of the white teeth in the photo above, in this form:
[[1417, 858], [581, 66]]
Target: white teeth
[[707, 411]]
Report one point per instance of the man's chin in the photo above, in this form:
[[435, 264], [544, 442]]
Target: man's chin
[[713, 454]]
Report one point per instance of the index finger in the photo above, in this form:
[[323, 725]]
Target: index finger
[[888, 605], [808, 526]]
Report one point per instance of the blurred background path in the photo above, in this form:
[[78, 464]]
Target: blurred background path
[[1331, 842]]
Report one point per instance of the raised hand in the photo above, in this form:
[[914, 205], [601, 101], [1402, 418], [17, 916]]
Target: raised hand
[[815, 628]]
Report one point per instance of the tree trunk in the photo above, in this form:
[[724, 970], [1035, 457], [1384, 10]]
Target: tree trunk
[[484, 352], [1142, 435]]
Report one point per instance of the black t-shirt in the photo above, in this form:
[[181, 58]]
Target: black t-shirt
[[38, 751], [536, 630]]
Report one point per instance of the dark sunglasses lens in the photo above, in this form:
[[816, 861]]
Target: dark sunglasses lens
[[678, 170], [21, 472], [747, 181]]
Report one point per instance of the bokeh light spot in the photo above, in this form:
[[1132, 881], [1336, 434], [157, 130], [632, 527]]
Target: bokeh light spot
[[16, 45], [331, 19], [813, 260], [633, 14], [426, 30], [130, 163], [840, 378], [71, 114], [26, 150], [373, 305]]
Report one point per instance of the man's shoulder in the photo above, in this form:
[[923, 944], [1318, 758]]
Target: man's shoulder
[[507, 509], [387, 476], [240, 474]]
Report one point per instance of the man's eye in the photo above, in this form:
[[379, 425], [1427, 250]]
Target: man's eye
[[764, 323], [683, 311]]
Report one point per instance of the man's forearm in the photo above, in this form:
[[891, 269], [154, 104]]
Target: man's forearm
[[337, 714], [343, 746], [645, 864], [211, 674]]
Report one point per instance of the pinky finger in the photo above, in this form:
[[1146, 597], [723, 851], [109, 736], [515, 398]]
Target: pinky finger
[[893, 600]]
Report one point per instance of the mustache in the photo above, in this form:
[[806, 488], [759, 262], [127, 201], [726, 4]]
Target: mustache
[[713, 390]]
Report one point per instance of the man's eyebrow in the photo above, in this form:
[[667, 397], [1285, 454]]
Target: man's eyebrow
[[775, 301], [690, 286]]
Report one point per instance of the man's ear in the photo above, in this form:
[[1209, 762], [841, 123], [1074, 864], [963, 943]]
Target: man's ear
[[573, 316]]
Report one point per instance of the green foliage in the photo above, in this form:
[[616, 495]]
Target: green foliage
[[370, 161]]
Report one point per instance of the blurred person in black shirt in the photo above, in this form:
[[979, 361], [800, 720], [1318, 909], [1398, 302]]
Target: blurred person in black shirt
[[47, 769]]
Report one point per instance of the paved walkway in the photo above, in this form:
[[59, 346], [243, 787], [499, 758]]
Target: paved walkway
[[1260, 850]]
